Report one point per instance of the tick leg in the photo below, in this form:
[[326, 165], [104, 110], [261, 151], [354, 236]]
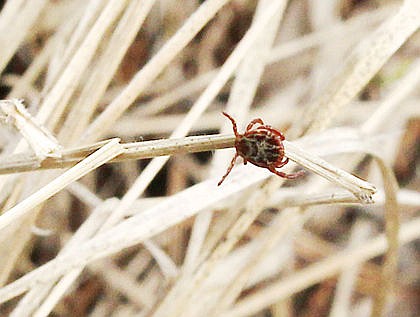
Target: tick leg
[[232, 163], [284, 175], [282, 163], [235, 129], [254, 122], [276, 132]]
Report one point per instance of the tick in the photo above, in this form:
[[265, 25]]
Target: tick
[[260, 145]]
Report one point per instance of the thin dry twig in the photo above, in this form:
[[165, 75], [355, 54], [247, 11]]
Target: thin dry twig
[[342, 299], [74, 79], [17, 163], [12, 16], [42, 142], [320, 271], [154, 67], [146, 224], [362, 65], [392, 229], [106, 153], [289, 220], [57, 99], [147, 149], [128, 26], [33, 298]]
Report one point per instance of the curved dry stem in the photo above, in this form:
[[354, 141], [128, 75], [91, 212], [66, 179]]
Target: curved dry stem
[[392, 229]]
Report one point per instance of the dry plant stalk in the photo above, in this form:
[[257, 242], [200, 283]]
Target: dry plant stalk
[[149, 149], [104, 154], [41, 141], [363, 64], [160, 70]]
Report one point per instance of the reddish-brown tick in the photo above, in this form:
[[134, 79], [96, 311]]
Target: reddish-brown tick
[[261, 146]]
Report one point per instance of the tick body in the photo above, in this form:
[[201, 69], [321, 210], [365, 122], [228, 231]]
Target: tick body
[[260, 145]]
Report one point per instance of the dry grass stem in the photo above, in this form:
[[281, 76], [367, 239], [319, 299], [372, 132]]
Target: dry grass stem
[[361, 189], [32, 300], [11, 40], [101, 156], [56, 100], [41, 141], [345, 285], [153, 68], [392, 229], [319, 271], [126, 30], [137, 150], [289, 220], [363, 64], [94, 226]]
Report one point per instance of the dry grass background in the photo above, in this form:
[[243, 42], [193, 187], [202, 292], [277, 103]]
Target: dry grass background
[[110, 158]]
